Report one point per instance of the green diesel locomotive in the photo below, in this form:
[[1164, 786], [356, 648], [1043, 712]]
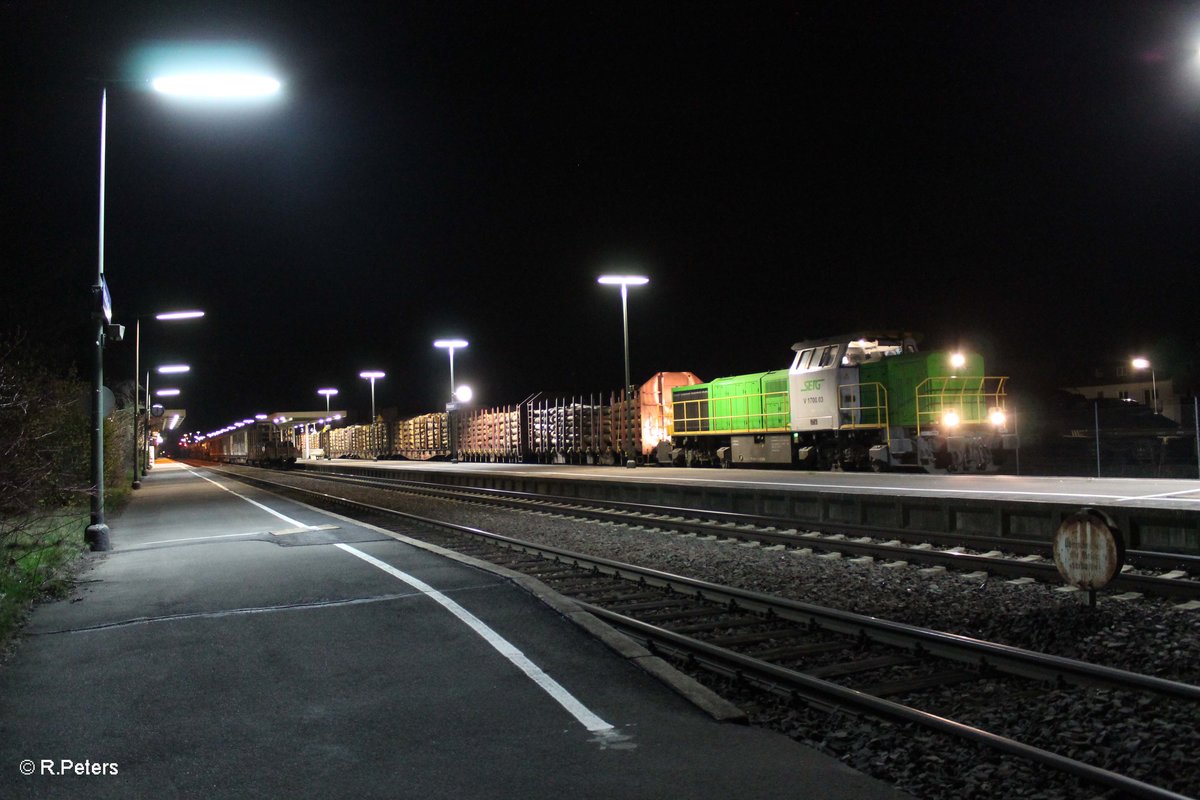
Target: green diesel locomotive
[[856, 402]]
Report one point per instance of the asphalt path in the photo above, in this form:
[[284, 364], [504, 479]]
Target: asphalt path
[[235, 644], [1133, 492]]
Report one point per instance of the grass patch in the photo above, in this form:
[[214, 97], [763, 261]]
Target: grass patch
[[35, 561]]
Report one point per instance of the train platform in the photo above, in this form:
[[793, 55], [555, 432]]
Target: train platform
[[1152, 514], [1176, 494], [236, 644]]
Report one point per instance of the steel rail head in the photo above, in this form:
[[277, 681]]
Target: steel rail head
[[887, 708]]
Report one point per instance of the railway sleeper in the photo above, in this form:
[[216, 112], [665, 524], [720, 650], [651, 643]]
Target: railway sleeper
[[652, 605], [606, 595], [685, 613], [852, 667], [918, 684], [787, 652], [737, 622]]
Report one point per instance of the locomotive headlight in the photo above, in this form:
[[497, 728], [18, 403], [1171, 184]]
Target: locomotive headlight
[[950, 419], [958, 360], [998, 417]]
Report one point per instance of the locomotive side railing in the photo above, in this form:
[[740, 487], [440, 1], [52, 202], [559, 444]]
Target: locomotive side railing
[[972, 398], [864, 406], [705, 415]]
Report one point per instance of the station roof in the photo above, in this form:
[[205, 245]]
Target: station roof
[[171, 419], [306, 416]]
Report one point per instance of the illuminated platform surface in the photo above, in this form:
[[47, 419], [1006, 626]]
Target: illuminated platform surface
[[228, 648], [1132, 492]]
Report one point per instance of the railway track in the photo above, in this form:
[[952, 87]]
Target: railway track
[[819, 657], [1170, 575]]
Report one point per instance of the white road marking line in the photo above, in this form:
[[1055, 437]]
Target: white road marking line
[[202, 538], [273, 512], [304, 529], [564, 698], [1173, 495], [231, 612]]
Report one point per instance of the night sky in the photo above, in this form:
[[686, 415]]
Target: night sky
[[1018, 178]]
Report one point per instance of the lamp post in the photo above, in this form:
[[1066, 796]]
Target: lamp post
[[370, 375], [207, 86], [625, 281], [166, 316], [450, 345], [330, 392], [96, 534], [1143, 363]]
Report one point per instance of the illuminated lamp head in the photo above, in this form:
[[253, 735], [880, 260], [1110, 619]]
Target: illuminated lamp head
[[951, 419]]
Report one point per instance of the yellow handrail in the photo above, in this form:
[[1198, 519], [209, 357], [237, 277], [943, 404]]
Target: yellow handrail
[[971, 397], [879, 410], [692, 413]]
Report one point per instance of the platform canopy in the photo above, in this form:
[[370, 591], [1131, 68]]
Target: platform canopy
[[300, 417], [170, 420]]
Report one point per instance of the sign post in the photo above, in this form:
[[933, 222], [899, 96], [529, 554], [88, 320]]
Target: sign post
[[1088, 551]]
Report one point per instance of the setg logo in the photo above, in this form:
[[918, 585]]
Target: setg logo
[[813, 385]]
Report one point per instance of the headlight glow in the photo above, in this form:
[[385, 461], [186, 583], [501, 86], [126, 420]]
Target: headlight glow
[[950, 419], [958, 360], [998, 417]]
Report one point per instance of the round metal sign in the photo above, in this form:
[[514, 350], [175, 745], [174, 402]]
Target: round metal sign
[[1088, 549]]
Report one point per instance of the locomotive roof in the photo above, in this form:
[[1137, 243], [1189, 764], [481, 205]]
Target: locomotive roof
[[883, 336]]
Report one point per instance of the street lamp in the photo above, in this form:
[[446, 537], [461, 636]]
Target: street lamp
[[451, 345], [330, 392], [370, 375], [1143, 363], [235, 86], [625, 281], [166, 316]]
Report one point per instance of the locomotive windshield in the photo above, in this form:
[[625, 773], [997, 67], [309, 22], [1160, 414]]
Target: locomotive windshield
[[856, 351]]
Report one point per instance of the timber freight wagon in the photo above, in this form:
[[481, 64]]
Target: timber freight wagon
[[591, 429]]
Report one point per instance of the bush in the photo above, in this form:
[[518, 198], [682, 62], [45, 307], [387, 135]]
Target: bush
[[44, 483]]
